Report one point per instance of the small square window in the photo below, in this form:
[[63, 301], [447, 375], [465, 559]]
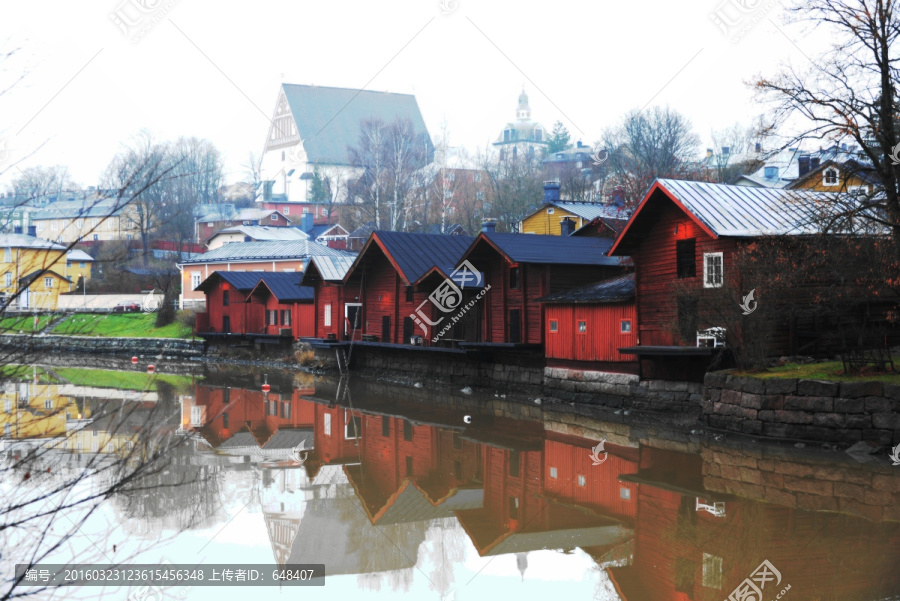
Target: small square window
[[625, 326], [625, 493], [582, 327], [554, 326], [553, 473], [581, 480], [48, 282], [550, 211]]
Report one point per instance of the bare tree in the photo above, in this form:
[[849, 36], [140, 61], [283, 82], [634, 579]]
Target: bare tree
[[369, 156], [650, 144], [849, 93], [516, 184], [734, 152], [34, 183]]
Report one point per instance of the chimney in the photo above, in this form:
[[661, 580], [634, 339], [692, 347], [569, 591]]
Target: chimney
[[814, 163], [758, 147], [580, 145], [17, 229], [306, 222], [566, 226], [803, 164], [551, 191], [32, 230], [489, 226]]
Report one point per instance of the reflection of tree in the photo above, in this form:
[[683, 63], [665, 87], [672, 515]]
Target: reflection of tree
[[447, 546]]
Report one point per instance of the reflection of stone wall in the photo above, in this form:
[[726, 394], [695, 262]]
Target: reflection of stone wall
[[806, 409], [622, 390], [870, 490]]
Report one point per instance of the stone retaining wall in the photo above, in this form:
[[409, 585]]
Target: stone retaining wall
[[843, 412], [622, 390], [39, 344]]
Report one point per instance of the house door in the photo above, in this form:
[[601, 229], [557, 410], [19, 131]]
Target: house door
[[515, 325], [226, 324], [407, 330], [352, 319], [386, 328]]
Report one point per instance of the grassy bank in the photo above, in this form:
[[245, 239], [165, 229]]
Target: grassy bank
[[119, 325], [831, 370], [24, 323]]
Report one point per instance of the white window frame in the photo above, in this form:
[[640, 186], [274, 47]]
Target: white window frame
[[579, 324], [554, 326], [582, 480], [196, 415], [550, 211], [7, 255], [9, 278], [326, 424], [195, 279], [706, 280], [348, 419], [837, 177], [287, 210], [553, 473], [327, 320], [48, 282], [622, 326]]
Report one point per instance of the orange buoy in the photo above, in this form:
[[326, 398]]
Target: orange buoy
[[134, 360], [151, 368]]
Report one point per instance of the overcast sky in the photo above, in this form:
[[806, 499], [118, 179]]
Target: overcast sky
[[212, 69]]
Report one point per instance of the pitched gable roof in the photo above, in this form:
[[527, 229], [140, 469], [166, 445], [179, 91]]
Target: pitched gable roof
[[25, 241], [285, 286], [263, 233], [585, 210], [413, 255], [27, 279], [330, 269], [328, 119], [240, 280], [551, 250]]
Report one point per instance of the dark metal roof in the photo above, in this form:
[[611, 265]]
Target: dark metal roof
[[328, 119], [286, 286], [616, 290], [241, 280], [415, 254], [554, 250]]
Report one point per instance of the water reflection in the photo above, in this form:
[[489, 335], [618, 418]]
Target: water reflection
[[392, 486]]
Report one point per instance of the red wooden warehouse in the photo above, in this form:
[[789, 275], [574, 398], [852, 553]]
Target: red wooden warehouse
[[226, 311], [522, 268], [288, 307], [326, 275], [384, 275], [591, 323]]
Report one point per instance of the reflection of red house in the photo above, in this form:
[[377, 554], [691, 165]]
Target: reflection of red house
[[325, 275], [571, 476], [288, 306], [592, 322], [521, 268], [337, 433], [385, 273], [219, 413], [684, 550]]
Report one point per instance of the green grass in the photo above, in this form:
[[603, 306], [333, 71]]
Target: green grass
[[832, 370], [123, 380], [119, 325], [24, 323], [26, 372]]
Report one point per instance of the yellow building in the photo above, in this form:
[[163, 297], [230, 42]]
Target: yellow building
[[86, 219], [34, 272], [832, 176], [549, 217]]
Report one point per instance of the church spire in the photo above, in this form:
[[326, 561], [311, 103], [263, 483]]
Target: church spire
[[524, 110]]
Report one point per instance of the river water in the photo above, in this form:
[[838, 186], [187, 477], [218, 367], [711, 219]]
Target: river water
[[424, 494]]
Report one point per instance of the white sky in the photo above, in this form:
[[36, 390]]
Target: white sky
[[212, 69]]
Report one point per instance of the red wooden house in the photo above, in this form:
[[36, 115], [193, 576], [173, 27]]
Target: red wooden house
[[227, 312], [685, 235], [591, 323], [384, 278], [289, 309], [521, 268], [326, 276]]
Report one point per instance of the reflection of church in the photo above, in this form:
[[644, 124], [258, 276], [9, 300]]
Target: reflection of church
[[523, 137]]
